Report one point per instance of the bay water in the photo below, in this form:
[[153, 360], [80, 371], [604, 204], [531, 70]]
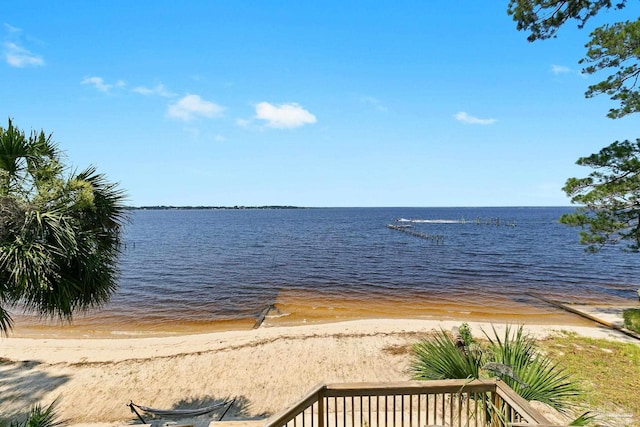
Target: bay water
[[207, 269]]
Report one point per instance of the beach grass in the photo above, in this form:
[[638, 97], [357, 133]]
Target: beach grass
[[608, 371]]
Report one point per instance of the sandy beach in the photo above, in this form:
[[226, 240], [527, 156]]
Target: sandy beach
[[265, 369]]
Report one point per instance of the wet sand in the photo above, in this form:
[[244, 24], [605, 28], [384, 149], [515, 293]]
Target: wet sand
[[295, 310]]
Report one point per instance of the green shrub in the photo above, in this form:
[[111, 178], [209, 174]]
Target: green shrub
[[632, 319], [465, 334], [536, 375], [36, 417], [439, 358], [514, 357]]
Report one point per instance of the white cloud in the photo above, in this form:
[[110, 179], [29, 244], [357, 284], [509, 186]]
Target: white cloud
[[374, 102], [12, 29], [159, 90], [189, 107], [19, 57], [560, 69], [14, 53], [99, 83], [557, 70], [245, 123], [284, 116], [466, 118]]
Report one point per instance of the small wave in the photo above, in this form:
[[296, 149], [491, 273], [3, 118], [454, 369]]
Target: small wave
[[136, 333], [277, 316], [432, 221]]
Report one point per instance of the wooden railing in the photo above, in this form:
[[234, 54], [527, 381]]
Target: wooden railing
[[455, 403]]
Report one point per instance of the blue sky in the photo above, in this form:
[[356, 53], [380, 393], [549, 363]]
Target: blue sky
[[335, 103]]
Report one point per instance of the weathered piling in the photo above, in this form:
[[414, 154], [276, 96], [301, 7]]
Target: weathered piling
[[407, 229], [262, 315]]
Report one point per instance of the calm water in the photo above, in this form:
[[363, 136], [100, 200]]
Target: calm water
[[200, 269]]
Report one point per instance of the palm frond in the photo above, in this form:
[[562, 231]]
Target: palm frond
[[512, 356], [61, 253], [584, 419], [44, 417], [439, 358], [6, 321], [539, 377]]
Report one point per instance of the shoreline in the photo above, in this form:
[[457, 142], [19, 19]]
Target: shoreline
[[299, 313], [73, 350], [91, 330], [266, 369]]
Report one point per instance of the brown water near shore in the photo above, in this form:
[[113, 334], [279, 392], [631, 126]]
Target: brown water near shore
[[189, 272], [292, 308]]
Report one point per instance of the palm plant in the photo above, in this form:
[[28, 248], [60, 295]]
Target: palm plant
[[439, 358], [37, 417], [537, 377], [59, 233], [514, 357]]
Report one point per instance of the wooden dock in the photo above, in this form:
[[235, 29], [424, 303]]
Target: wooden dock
[[407, 229], [584, 314]]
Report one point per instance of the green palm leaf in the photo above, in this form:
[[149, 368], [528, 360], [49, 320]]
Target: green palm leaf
[[527, 371], [60, 240], [439, 358], [545, 380], [37, 417]]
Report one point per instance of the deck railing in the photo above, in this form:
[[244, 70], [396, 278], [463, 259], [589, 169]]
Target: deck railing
[[454, 403]]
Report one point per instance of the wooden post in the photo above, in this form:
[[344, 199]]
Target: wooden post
[[321, 421]]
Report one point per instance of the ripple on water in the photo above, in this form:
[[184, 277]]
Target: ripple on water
[[193, 270]]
